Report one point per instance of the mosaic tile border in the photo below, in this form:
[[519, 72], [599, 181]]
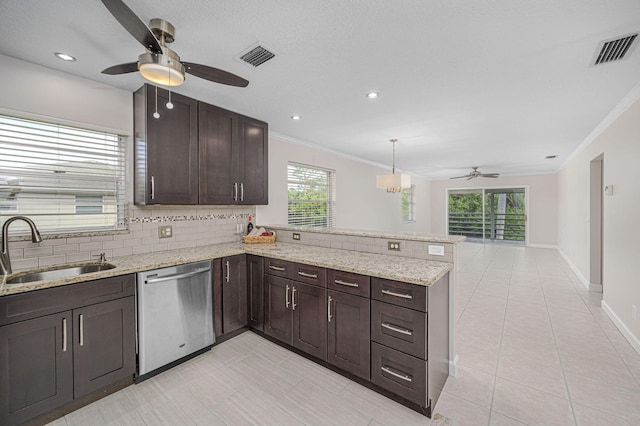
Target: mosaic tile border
[[183, 218]]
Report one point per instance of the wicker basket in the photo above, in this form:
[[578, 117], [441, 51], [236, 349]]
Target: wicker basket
[[258, 239]]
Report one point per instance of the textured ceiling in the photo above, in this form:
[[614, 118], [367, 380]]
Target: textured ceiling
[[497, 84]]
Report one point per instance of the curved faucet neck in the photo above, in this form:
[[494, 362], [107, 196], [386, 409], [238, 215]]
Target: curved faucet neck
[[5, 261]]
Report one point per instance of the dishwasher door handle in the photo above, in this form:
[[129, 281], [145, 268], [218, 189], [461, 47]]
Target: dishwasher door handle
[[177, 276]]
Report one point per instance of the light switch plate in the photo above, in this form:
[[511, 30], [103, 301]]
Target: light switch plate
[[436, 250], [165, 231]]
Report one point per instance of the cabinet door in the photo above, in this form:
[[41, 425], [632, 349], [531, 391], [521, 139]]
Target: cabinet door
[[309, 306], [166, 149], [255, 289], [36, 367], [103, 344], [348, 332], [219, 155], [253, 176], [277, 315], [234, 293]]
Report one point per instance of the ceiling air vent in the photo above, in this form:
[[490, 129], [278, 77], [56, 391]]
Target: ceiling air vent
[[614, 50], [257, 56]]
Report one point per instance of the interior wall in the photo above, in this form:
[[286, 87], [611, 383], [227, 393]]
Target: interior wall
[[620, 147], [359, 205], [543, 199]]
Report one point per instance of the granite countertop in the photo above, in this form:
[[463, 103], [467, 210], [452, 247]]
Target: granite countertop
[[415, 271], [453, 239]]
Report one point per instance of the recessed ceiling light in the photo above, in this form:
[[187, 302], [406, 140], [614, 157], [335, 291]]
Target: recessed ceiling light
[[295, 117], [65, 57], [372, 95], [550, 157]]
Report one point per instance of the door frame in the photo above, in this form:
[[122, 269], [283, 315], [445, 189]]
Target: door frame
[[482, 189]]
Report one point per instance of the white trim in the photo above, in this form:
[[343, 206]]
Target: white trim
[[453, 366], [544, 246], [615, 113], [575, 269], [633, 340]]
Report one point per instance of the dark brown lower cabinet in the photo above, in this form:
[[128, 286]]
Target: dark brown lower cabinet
[[36, 367], [103, 345], [402, 374], [296, 314], [255, 292], [348, 333], [234, 293]]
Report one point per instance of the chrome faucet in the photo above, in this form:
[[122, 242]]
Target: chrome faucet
[[5, 261]]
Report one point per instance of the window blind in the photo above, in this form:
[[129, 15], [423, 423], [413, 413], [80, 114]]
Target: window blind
[[66, 179], [311, 194]]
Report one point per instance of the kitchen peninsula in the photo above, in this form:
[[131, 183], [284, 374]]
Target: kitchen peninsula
[[403, 303]]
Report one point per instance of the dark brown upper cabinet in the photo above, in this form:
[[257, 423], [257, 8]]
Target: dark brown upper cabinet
[[166, 148], [197, 153]]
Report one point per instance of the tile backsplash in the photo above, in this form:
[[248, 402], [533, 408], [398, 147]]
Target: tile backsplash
[[192, 226]]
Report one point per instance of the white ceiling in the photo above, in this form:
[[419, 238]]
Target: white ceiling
[[497, 84]]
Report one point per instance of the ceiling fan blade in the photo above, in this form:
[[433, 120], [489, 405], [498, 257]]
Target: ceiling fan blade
[[121, 68], [214, 74], [490, 175], [459, 177], [133, 24]]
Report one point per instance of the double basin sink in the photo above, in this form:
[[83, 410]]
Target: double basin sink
[[57, 272]]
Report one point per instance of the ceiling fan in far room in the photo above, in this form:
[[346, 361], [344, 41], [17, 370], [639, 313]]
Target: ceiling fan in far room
[[159, 64], [475, 173]]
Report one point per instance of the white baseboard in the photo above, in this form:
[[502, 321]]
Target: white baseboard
[[633, 340], [453, 366], [575, 269], [546, 246]]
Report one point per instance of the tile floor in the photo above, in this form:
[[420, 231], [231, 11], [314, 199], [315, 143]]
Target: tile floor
[[534, 349]]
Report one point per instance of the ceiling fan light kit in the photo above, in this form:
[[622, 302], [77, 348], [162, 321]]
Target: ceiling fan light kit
[[162, 69], [395, 182]]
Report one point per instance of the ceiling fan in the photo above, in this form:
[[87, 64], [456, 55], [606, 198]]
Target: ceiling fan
[[476, 174], [159, 64]]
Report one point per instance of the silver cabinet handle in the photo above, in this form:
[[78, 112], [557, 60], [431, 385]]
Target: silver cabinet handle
[[277, 268], [64, 334], [397, 329], [228, 273], [329, 316], [404, 377], [235, 191], [293, 298], [346, 283], [286, 303], [403, 296], [153, 187], [81, 330], [304, 274], [242, 192]]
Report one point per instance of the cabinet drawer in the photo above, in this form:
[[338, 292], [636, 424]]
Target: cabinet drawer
[[399, 328], [348, 282], [33, 304], [399, 373], [399, 293], [314, 275], [279, 268]]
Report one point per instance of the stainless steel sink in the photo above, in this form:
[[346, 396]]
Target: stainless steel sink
[[56, 273]]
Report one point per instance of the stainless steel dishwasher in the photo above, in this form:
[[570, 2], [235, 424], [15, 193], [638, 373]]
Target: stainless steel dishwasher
[[175, 314]]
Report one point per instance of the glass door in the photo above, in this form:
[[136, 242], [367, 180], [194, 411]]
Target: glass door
[[495, 214]]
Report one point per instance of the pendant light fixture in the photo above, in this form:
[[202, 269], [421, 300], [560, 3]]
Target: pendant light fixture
[[395, 182]]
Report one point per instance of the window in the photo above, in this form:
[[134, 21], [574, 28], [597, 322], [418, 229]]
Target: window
[[408, 204], [66, 179], [312, 195]]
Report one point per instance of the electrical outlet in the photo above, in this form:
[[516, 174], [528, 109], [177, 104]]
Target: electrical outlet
[[393, 245], [634, 312], [165, 231], [296, 236], [436, 250]]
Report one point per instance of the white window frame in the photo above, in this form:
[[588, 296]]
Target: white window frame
[[47, 163], [410, 203], [329, 202]]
